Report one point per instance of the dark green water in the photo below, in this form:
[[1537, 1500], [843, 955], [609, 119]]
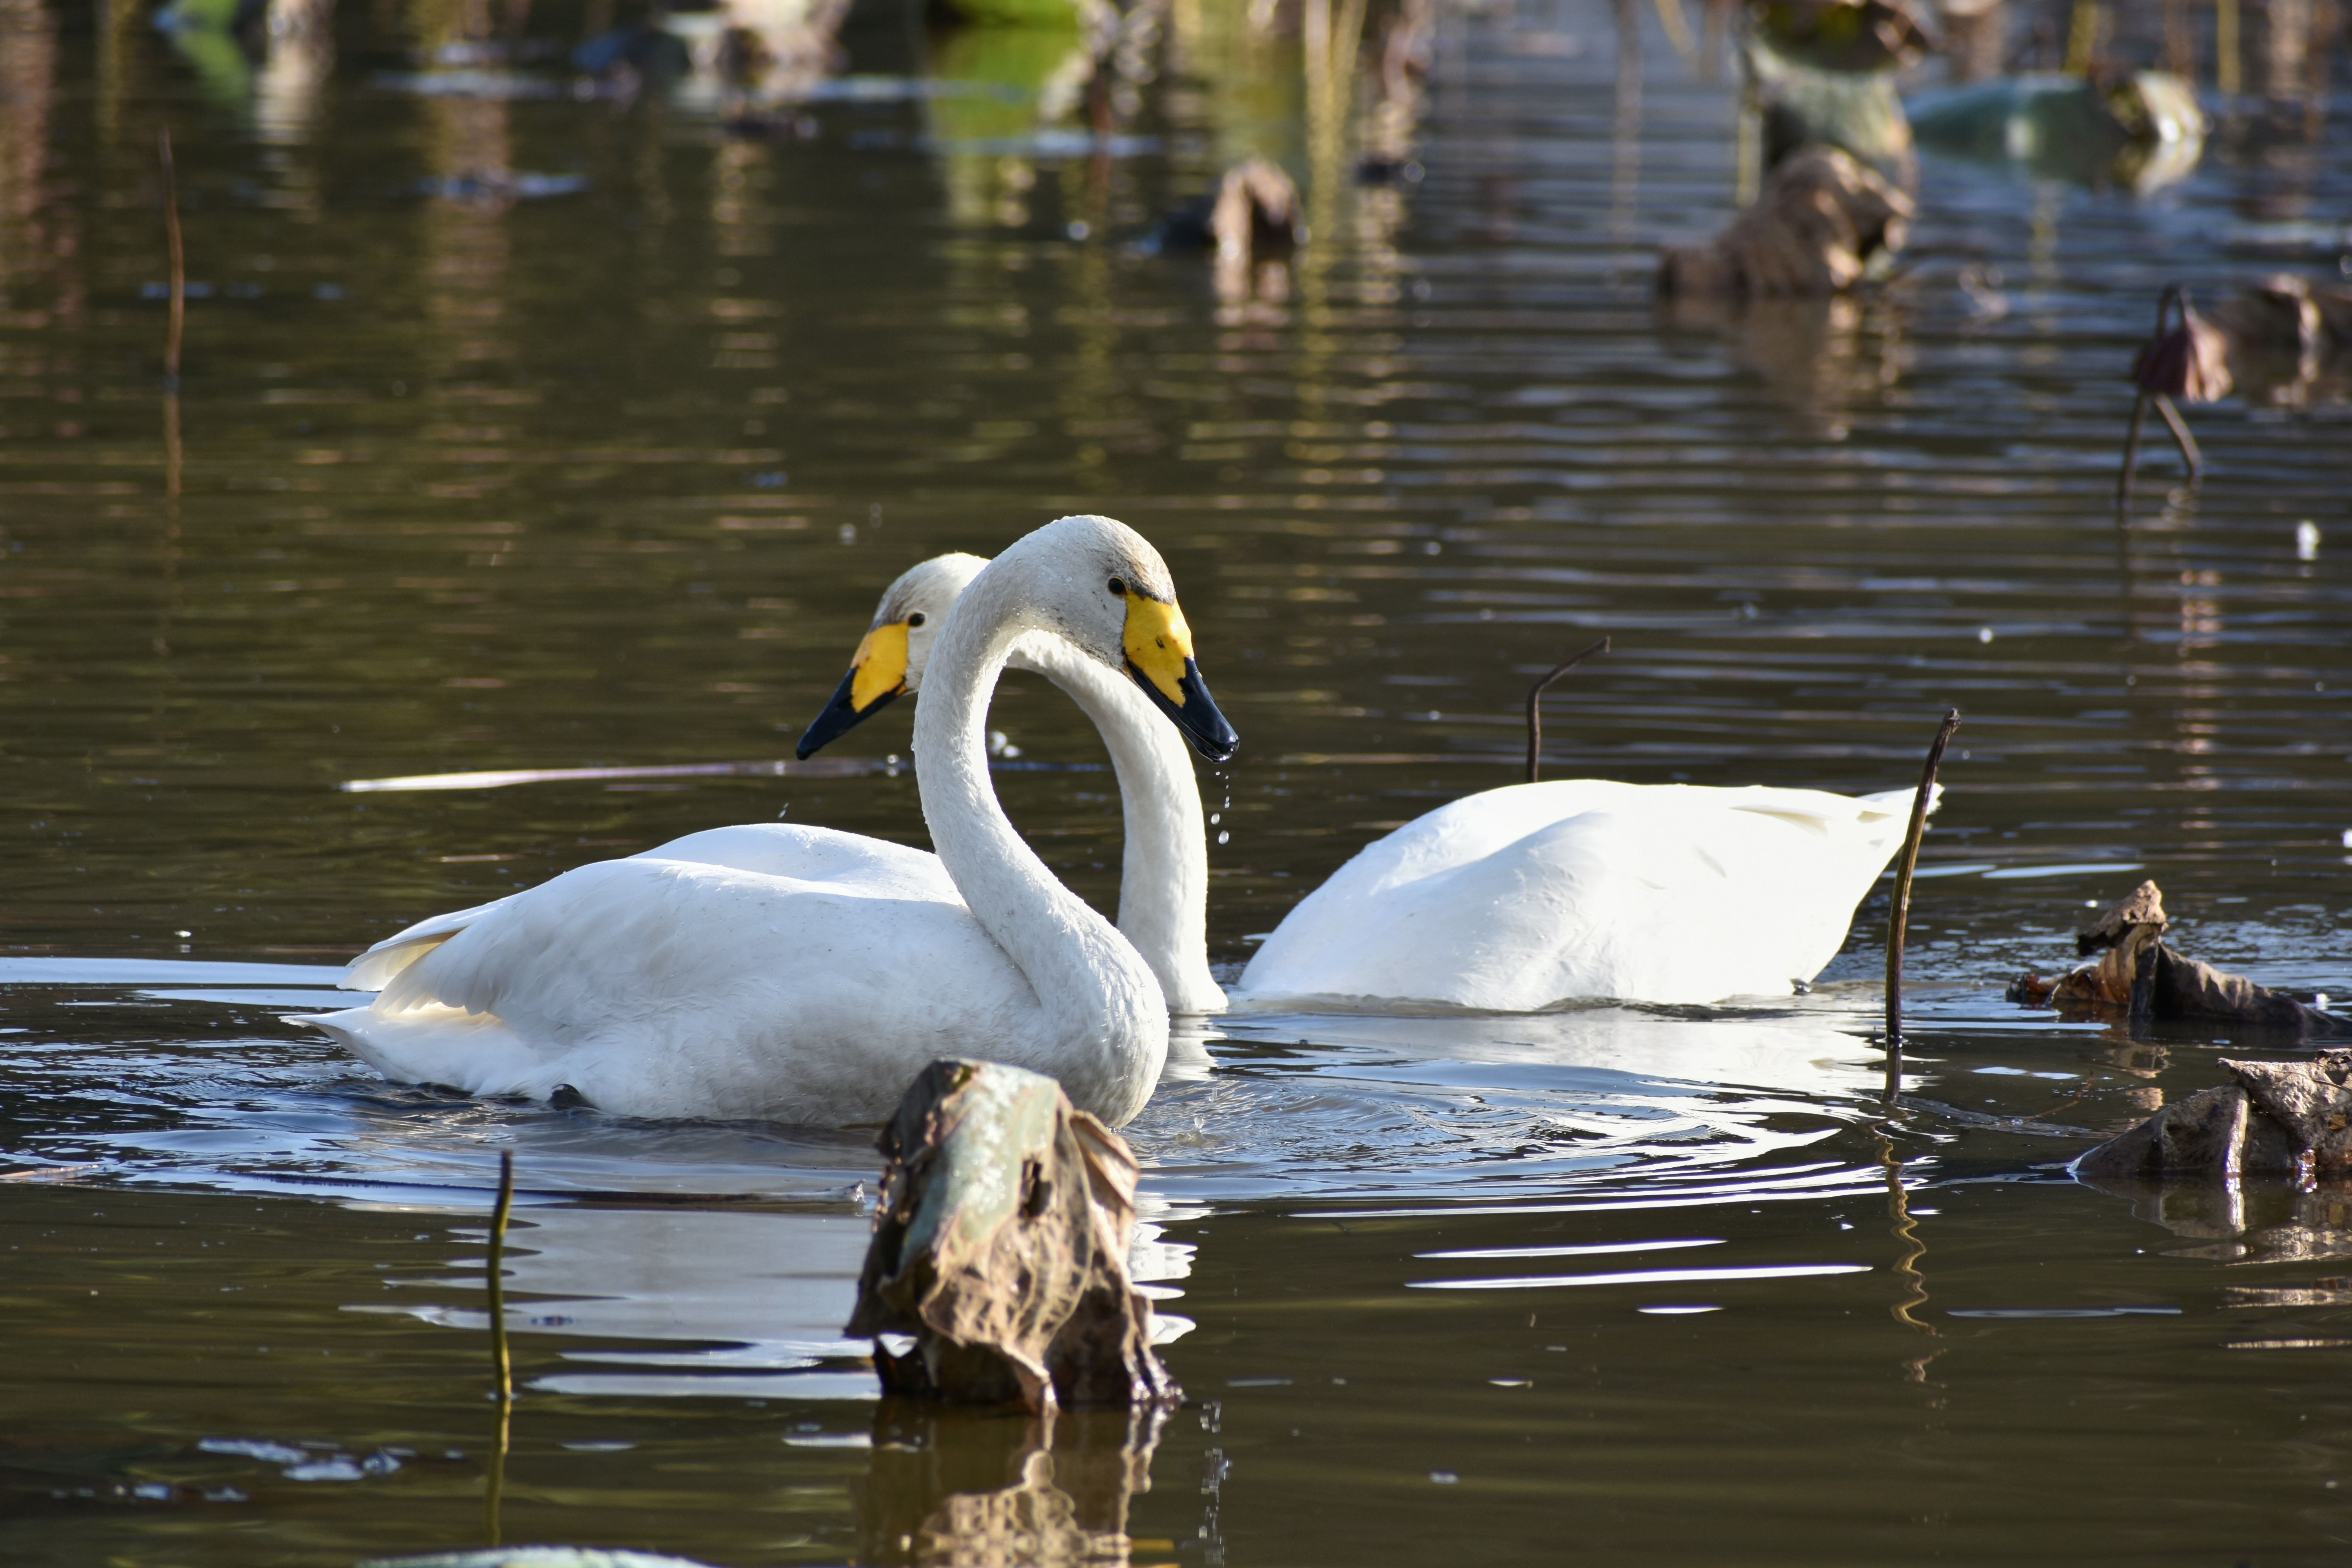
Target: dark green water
[[609, 478]]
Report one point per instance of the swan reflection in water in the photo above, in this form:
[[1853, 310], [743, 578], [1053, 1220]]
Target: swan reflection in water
[[695, 1301]]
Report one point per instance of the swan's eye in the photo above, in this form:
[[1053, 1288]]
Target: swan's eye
[[916, 619], [1118, 586]]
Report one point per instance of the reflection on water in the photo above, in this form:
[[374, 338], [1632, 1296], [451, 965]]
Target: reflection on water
[[562, 438], [2252, 1221], [952, 1486]]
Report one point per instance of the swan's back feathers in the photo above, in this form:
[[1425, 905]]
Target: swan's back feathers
[[666, 988], [1520, 897], [372, 969], [813, 855], [771, 849]]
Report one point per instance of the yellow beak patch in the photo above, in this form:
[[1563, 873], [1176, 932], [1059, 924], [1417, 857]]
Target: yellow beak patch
[[1156, 643], [879, 669]]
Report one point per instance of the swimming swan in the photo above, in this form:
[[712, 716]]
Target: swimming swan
[[1163, 890], [805, 975], [1508, 901]]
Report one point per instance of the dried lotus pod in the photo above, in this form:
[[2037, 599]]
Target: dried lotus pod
[[2119, 923]]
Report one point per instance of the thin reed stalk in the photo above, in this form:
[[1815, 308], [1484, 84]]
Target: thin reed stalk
[[2226, 78], [179, 262], [501, 1360], [1535, 703], [179, 285], [2131, 451], [1899, 922]]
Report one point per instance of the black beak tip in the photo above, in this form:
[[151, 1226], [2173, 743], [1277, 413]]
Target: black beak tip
[[1219, 744], [841, 716], [1196, 716]]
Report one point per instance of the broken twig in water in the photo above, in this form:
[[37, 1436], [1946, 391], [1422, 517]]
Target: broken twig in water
[[1535, 701], [501, 1362], [1898, 920]]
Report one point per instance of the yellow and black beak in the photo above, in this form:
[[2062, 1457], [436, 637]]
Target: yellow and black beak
[[1159, 648], [878, 673]]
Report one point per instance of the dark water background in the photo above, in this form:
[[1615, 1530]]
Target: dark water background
[[610, 477]]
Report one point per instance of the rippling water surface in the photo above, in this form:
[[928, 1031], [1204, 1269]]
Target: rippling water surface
[[607, 477]]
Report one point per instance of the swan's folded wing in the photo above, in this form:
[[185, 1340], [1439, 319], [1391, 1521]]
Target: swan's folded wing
[[669, 988], [814, 855], [622, 940], [372, 970], [775, 850]]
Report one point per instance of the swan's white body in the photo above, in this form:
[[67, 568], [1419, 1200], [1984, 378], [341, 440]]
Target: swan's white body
[[799, 974], [1521, 897], [1510, 899]]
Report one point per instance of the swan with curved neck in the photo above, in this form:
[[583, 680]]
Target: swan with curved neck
[[761, 970], [1509, 900], [1163, 890]]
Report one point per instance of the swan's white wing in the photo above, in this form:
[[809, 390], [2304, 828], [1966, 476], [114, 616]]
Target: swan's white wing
[[1519, 898], [664, 988], [372, 970], [773, 848], [815, 854]]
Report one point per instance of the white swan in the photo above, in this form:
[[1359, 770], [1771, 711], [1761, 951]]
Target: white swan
[[1163, 890], [1510, 899], [799, 974]]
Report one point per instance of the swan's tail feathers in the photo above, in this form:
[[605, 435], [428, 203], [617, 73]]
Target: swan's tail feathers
[[373, 969], [1897, 802], [475, 1053]]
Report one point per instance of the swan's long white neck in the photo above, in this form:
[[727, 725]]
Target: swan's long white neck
[[1106, 1024], [1163, 890]]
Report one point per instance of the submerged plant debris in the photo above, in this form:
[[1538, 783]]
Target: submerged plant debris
[[1000, 1249], [2291, 1119], [2137, 976], [1822, 224]]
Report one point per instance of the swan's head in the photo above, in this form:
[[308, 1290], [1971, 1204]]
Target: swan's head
[[890, 661], [1099, 584], [1094, 582]]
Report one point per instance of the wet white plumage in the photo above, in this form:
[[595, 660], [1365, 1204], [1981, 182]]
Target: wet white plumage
[[795, 972], [1512, 899], [1518, 898]]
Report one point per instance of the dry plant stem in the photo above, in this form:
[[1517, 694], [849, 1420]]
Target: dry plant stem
[[501, 1362], [1899, 917], [1535, 701], [179, 263], [2131, 449], [179, 316], [2180, 426], [172, 448], [2225, 47]]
